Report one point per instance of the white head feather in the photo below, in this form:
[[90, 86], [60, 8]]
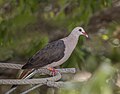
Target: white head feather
[[77, 31]]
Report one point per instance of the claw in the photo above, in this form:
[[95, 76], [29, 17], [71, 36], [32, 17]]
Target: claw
[[54, 72]]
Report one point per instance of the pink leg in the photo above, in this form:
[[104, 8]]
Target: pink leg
[[54, 72]]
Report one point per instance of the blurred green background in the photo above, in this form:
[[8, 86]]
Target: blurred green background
[[28, 25]]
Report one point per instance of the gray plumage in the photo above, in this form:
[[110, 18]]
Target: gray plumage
[[52, 52], [57, 52]]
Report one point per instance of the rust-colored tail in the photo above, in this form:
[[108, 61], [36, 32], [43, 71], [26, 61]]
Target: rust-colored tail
[[23, 75]]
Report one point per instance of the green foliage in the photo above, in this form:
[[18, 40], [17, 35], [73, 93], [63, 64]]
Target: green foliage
[[27, 25], [98, 84]]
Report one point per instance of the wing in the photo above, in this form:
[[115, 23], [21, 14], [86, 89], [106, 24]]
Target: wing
[[53, 52]]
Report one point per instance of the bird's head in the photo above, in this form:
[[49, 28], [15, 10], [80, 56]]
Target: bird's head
[[79, 31]]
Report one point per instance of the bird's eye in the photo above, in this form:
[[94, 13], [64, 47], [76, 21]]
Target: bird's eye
[[80, 30]]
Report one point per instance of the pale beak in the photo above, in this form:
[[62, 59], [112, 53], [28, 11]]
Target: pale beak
[[85, 34]]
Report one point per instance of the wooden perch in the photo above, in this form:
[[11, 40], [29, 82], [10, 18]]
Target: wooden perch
[[50, 81]]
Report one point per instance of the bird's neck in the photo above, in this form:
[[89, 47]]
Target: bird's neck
[[74, 35], [72, 40]]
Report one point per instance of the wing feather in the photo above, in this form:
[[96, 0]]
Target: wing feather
[[52, 52]]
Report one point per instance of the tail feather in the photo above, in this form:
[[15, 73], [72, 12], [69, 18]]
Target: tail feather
[[14, 86], [27, 66], [23, 75]]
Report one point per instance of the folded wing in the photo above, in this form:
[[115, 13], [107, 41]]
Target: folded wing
[[52, 52]]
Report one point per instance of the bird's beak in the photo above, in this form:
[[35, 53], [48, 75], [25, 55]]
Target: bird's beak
[[85, 34]]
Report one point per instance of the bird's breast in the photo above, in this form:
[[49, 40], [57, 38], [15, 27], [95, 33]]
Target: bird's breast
[[69, 47]]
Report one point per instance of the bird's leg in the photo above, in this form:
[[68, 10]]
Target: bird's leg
[[54, 72]]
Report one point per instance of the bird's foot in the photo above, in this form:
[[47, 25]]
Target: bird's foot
[[54, 71]]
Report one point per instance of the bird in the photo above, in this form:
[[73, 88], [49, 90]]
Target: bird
[[54, 53]]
